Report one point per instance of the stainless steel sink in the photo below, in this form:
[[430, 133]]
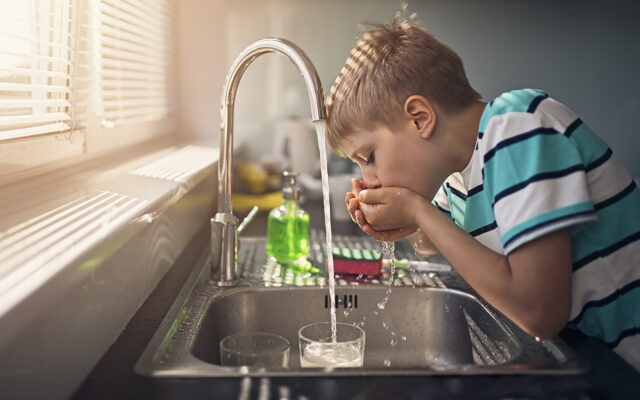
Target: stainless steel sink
[[429, 328], [433, 323]]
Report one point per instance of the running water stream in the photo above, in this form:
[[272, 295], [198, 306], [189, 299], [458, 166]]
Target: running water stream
[[322, 146], [388, 248]]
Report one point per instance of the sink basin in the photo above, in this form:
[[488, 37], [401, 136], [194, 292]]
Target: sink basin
[[433, 323], [427, 328]]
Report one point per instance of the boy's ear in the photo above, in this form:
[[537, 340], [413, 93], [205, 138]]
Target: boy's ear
[[422, 115]]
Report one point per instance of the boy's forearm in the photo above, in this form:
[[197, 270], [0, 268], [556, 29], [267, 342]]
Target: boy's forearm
[[479, 265], [489, 273]]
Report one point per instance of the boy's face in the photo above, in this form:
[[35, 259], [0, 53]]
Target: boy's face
[[399, 158]]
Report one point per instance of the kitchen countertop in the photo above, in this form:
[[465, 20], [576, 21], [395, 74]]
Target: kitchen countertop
[[114, 378]]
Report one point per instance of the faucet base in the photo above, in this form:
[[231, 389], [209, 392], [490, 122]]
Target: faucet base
[[224, 283]]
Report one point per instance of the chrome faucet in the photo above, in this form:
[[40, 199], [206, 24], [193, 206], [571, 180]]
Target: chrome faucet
[[224, 226]]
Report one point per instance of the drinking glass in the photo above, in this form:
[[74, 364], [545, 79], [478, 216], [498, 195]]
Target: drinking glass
[[261, 349], [317, 349]]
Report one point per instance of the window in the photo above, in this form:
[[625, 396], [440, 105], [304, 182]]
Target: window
[[36, 68], [135, 60], [83, 77]]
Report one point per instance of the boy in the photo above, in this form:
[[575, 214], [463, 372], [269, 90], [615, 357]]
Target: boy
[[535, 212]]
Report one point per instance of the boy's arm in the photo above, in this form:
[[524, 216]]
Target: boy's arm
[[531, 285]]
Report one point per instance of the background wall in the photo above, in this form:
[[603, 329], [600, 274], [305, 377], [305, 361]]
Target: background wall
[[202, 66], [583, 52]]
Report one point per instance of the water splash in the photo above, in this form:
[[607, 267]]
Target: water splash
[[417, 242], [388, 251]]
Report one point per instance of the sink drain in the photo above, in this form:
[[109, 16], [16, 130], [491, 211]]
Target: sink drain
[[346, 301]]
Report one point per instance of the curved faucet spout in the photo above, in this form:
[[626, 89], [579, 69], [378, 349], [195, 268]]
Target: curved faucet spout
[[224, 224]]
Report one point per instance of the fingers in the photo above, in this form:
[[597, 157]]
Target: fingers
[[390, 235], [372, 196], [355, 186], [360, 219], [369, 214], [352, 207], [348, 197], [380, 236], [352, 204]]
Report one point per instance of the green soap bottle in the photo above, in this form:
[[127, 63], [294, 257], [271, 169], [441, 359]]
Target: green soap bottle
[[288, 227]]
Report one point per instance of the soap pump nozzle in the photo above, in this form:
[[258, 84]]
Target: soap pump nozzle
[[290, 190]]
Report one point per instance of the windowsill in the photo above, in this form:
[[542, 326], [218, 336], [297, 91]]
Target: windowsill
[[65, 223]]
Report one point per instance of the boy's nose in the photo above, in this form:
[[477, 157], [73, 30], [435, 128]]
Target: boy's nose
[[371, 182]]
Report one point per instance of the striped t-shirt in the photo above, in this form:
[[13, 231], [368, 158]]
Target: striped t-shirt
[[537, 168]]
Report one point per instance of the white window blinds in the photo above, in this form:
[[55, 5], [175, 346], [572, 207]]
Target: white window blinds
[[136, 40], [36, 67], [78, 65]]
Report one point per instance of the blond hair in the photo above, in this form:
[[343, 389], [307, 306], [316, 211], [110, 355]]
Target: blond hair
[[389, 64]]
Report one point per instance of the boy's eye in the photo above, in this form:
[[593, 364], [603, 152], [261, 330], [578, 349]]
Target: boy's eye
[[370, 159]]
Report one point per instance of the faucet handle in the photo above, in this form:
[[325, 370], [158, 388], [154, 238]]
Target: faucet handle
[[243, 225], [247, 220]]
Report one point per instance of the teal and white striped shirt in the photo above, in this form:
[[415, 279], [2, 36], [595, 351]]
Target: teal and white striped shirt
[[538, 168]]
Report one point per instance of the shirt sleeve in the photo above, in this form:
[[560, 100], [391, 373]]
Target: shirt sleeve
[[451, 198], [535, 179], [442, 201]]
